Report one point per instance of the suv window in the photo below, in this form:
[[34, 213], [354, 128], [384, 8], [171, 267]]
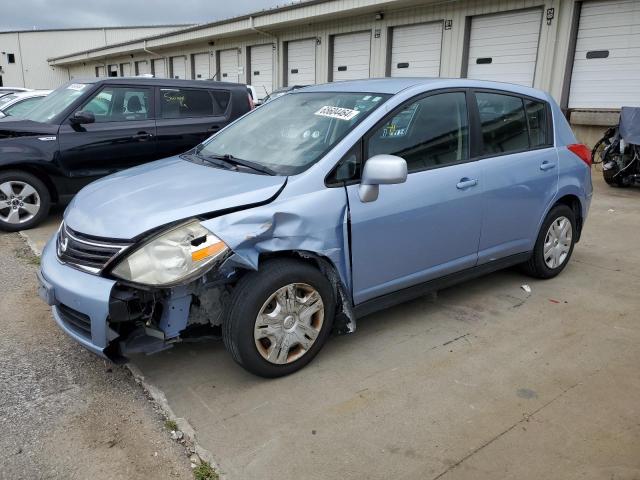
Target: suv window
[[503, 123], [538, 124], [119, 104], [428, 133], [192, 102]]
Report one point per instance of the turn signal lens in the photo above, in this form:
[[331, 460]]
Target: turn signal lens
[[582, 151], [206, 252]]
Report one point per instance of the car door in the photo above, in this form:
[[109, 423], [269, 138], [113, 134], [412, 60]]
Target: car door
[[187, 116], [123, 134], [430, 225], [520, 172]]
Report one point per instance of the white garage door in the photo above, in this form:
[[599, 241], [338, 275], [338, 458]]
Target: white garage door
[[159, 70], [101, 72], [415, 50], [143, 67], [179, 67], [262, 69], [125, 69], [201, 66], [606, 68], [504, 47], [229, 66], [351, 56], [301, 62], [113, 70]]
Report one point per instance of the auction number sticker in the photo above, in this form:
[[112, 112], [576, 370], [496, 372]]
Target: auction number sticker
[[76, 86], [337, 112]]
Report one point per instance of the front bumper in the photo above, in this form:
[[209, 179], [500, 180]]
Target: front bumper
[[79, 301]]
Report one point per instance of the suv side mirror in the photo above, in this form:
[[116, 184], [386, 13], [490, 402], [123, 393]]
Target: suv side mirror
[[81, 117], [381, 170]]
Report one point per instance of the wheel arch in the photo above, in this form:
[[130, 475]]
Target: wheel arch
[[36, 172], [573, 202]]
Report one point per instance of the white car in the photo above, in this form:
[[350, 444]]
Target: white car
[[8, 90], [17, 103]]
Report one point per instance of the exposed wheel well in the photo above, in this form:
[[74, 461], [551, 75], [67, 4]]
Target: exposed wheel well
[[574, 204], [36, 172]]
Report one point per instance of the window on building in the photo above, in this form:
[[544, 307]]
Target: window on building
[[428, 133], [503, 123], [182, 103], [11, 58], [118, 104]]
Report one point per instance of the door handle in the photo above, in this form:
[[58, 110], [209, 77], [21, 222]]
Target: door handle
[[142, 136], [214, 128], [466, 183], [544, 166]]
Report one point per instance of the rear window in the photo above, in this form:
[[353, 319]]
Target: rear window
[[192, 102], [538, 123]]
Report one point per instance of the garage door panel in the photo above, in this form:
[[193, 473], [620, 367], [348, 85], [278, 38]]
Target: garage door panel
[[416, 49], [262, 69], [613, 81], [351, 56], [201, 66], [511, 41], [229, 66], [301, 62], [178, 67], [159, 68]]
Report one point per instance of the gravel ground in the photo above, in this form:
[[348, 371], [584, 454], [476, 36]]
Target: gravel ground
[[64, 413]]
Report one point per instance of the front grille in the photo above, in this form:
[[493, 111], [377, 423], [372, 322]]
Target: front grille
[[76, 321], [86, 253]]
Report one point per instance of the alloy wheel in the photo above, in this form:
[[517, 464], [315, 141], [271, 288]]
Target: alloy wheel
[[19, 202]]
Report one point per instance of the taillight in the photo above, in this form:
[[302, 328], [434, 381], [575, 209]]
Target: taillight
[[582, 151], [251, 104]]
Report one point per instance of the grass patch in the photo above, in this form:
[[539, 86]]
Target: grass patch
[[204, 471], [171, 425], [25, 254]]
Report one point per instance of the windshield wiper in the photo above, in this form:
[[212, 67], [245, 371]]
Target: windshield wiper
[[243, 163], [210, 161]]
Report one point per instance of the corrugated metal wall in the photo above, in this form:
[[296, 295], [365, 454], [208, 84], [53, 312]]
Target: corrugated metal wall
[[32, 49]]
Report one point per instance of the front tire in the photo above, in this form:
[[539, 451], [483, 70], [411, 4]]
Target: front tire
[[279, 317], [24, 201], [554, 244]]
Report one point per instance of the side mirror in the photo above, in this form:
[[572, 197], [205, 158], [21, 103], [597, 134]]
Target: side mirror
[[381, 170], [81, 117]]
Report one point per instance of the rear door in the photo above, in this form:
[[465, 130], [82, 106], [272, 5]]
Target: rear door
[[123, 135], [430, 225], [187, 116], [520, 171], [351, 56]]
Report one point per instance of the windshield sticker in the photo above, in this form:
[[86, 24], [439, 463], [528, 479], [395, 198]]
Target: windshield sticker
[[376, 99], [76, 86], [337, 112]]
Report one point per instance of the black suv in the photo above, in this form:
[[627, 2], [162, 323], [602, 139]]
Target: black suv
[[90, 128]]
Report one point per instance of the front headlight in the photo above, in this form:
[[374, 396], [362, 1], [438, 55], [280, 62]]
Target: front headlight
[[172, 257]]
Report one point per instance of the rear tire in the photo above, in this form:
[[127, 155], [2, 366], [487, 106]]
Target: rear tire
[[24, 201], [554, 244], [279, 317]]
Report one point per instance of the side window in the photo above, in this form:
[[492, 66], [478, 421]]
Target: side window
[[537, 119], [120, 104], [503, 123], [184, 103], [18, 109], [430, 132]]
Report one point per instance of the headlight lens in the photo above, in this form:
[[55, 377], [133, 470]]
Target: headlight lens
[[173, 256]]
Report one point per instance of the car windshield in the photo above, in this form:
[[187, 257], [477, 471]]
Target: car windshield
[[56, 102], [293, 132], [6, 99]]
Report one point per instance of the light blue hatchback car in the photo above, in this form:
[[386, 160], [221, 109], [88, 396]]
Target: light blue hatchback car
[[315, 209]]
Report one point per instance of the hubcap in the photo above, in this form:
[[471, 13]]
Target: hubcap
[[557, 243], [289, 323], [19, 202]]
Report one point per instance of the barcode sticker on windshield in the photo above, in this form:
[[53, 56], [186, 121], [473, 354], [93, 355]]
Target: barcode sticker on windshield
[[337, 112], [76, 86]]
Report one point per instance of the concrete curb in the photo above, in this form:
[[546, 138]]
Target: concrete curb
[[156, 395]]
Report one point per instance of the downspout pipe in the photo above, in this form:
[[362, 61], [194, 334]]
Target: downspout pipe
[[277, 44], [144, 48]]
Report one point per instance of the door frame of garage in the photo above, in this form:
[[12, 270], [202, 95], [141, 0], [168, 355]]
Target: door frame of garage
[[571, 56], [331, 45], [387, 67], [285, 58], [466, 45], [193, 64]]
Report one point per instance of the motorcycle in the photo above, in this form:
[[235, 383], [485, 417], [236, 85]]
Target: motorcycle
[[619, 150]]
